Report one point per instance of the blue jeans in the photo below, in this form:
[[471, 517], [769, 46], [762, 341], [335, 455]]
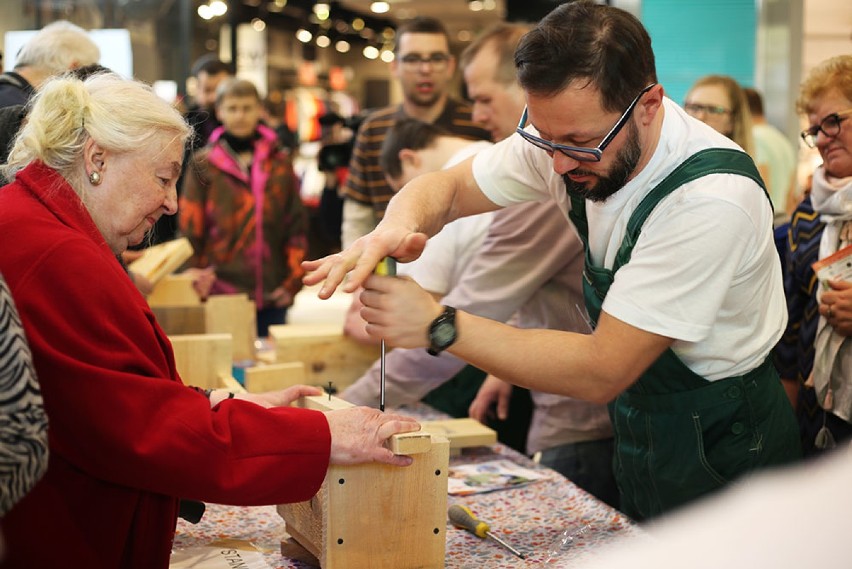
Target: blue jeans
[[587, 464]]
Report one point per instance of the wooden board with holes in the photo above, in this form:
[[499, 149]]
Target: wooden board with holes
[[163, 259], [364, 509], [328, 355]]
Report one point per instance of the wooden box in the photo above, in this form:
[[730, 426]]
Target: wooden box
[[375, 516], [328, 355]]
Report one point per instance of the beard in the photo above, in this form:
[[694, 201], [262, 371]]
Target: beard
[[615, 178]]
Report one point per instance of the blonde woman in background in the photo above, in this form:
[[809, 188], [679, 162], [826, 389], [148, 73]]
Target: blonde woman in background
[[720, 102]]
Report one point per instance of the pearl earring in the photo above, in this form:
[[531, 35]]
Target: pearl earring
[[95, 178]]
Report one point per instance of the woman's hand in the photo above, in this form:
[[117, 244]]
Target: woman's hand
[[280, 398], [836, 306], [358, 435]]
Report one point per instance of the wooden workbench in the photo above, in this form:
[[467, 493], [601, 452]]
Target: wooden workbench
[[531, 518]]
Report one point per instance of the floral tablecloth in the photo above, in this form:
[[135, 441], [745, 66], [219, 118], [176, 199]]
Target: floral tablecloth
[[533, 518]]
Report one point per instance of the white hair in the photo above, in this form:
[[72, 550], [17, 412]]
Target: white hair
[[119, 114], [58, 47]]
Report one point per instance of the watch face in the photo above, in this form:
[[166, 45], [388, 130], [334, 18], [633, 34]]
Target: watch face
[[443, 333]]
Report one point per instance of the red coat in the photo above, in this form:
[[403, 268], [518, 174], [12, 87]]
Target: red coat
[[127, 438]]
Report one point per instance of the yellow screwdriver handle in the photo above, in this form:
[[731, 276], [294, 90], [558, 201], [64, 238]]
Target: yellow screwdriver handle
[[387, 267], [463, 518]]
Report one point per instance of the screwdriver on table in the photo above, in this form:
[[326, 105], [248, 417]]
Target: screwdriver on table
[[387, 267], [463, 518]]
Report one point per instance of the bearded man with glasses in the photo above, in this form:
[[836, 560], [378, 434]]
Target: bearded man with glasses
[[682, 281]]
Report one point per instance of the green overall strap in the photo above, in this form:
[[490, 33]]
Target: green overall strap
[[708, 161], [702, 163]]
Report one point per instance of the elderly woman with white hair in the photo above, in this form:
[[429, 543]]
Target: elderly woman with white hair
[[94, 168]]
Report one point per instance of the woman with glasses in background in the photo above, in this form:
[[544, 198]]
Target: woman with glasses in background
[[720, 102], [814, 357]]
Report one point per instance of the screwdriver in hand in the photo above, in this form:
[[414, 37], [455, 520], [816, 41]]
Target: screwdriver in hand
[[386, 267], [463, 518]]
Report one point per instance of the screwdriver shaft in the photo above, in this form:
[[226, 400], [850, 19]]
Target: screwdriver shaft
[[386, 267], [382, 378], [462, 517], [506, 545]]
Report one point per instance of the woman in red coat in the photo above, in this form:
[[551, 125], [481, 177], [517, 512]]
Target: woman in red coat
[[93, 169]]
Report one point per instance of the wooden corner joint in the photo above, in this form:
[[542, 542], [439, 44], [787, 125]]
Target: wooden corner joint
[[417, 442]]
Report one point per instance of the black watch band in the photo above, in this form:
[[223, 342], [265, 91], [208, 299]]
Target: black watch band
[[442, 331]]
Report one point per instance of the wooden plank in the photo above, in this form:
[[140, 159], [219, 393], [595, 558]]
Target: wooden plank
[[174, 290], [233, 314], [163, 259], [462, 433], [274, 376], [202, 359], [410, 443], [328, 355], [179, 320]]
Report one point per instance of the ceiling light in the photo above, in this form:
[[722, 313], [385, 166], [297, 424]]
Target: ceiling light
[[387, 55], [322, 10], [323, 41], [379, 7], [304, 35], [475, 5], [258, 25], [342, 46], [371, 52], [357, 24], [218, 7]]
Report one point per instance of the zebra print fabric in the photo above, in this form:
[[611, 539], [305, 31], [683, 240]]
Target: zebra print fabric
[[23, 422]]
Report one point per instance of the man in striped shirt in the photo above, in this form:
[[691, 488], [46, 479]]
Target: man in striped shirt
[[425, 67]]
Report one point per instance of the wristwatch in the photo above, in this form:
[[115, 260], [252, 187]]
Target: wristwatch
[[442, 331]]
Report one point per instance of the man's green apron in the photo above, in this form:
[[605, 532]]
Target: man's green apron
[[679, 436]]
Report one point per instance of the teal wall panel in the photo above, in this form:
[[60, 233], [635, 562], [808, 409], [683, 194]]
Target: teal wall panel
[[692, 38]]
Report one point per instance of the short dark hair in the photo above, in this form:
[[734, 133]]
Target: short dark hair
[[211, 65], [235, 87], [406, 133], [582, 40], [755, 101], [421, 25]]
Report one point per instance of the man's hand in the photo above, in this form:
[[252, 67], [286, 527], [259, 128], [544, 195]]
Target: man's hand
[[836, 306], [360, 260], [492, 390], [354, 326], [398, 310]]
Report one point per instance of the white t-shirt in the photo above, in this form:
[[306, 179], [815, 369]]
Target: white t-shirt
[[439, 268], [704, 271]]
